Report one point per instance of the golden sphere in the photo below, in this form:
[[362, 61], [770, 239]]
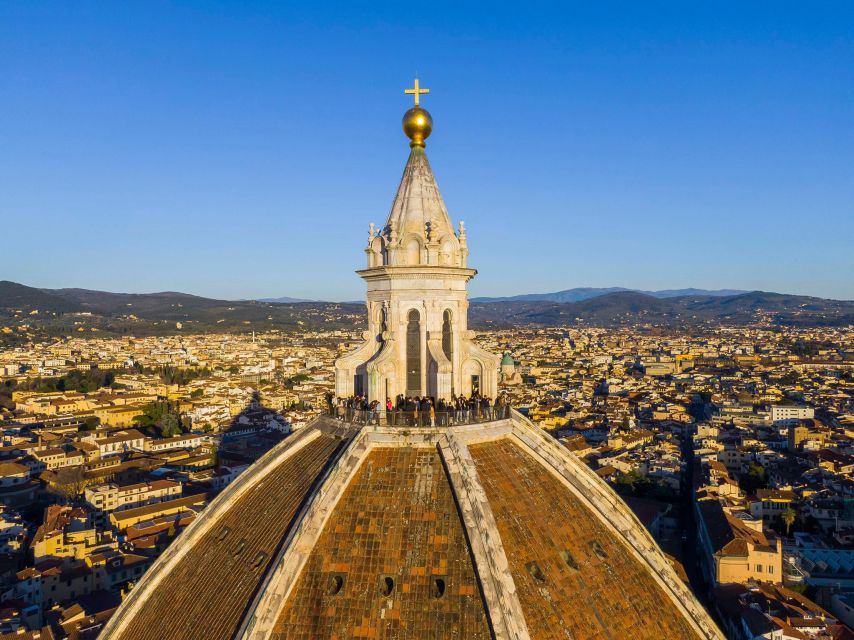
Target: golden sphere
[[417, 125]]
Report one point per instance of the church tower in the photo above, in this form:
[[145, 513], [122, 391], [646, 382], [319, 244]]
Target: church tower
[[418, 342]]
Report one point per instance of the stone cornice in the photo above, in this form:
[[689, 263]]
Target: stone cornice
[[416, 272]]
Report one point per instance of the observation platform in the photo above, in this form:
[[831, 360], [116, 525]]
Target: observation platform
[[421, 419]]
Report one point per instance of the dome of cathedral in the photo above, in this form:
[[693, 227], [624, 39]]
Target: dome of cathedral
[[417, 125], [490, 530]]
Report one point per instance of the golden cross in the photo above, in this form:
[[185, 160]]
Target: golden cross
[[417, 91]]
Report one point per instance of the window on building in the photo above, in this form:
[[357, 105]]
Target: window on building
[[535, 571], [447, 339], [438, 588], [336, 583], [413, 354], [386, 586]]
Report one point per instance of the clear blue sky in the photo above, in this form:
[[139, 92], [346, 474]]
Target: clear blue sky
[[240, 149]]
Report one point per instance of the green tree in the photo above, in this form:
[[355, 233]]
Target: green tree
[[70, 482], [170, 425], [788, 517], [75, 380], [754, 479], [632, 483], [294, 380], [6, 390], [159, 416], [152, 414]]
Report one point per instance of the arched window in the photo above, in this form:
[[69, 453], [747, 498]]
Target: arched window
[[375, 255], [413, 354], [447, 336], [447, 253], [413, 252]]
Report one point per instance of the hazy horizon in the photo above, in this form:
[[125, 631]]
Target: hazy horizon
[[357, 299]]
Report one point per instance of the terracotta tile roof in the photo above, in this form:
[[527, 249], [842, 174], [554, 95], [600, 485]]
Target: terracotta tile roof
[[606, 471], [12, 469], [715, 520], [397, 546], [775, 494], [126, 515], [574, 578], [210, 585], [121, 436], [744, 533], [647, 510], [44, 634]]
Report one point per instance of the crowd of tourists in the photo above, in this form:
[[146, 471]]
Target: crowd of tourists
[[418, 411]]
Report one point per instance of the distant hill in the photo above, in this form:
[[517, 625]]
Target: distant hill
[[19, 297], [63, 311], [161, 304], [585, 293], [677, 293], [629, 307], [285, 300]]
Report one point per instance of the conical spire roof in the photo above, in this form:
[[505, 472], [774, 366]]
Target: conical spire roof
[[418, 205]]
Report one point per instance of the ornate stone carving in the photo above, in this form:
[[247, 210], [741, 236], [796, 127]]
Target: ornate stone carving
[[429, 280]]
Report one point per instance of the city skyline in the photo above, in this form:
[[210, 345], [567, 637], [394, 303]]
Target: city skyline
[[454, 453], [214, 149]]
